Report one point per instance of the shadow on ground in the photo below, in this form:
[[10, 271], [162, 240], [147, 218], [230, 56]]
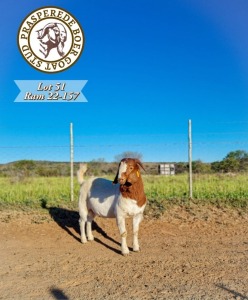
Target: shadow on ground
[[68, 221], [232, 292], [58, 294]]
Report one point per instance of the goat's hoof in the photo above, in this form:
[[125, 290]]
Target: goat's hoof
[[136, 247], [83, 241], [125, 253], [91, 239]]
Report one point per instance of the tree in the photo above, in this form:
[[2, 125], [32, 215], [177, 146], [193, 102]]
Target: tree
[[127, 154], [24, 167], [199, 167], [237, 155], [216, 166], [96, 166], [181, 167], [235, 161]]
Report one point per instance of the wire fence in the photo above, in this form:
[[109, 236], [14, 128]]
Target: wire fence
[[54, 145], [53, 153]]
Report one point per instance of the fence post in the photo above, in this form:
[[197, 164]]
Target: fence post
[[190, 160], [72, 160]]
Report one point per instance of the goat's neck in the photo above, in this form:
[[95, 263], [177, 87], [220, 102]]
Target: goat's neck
[[135, 192]]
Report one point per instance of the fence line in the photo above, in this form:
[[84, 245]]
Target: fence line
[[168, 147], [167, 151]]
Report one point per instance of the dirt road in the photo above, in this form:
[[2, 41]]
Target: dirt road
[[184, 256]]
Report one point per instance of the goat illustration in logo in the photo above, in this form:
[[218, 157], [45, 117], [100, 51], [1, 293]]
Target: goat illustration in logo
[[52, 35]]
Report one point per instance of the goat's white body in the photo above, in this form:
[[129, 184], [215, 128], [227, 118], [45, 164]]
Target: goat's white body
[[128, 207], [99, 197]]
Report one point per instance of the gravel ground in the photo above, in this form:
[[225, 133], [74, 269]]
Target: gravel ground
[[185, 255]]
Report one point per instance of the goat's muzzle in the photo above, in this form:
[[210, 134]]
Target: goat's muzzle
[[122, 180]]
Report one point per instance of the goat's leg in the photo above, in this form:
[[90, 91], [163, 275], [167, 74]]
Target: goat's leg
[[90, 218], [122, 229], [83, 212], [136, 221], [82, 221]]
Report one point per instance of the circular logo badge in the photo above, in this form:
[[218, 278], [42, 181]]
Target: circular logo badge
[[50, 39]]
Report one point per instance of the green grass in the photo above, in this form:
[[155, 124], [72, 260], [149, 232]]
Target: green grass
[[35, 192], [161, 191], [222, 190]]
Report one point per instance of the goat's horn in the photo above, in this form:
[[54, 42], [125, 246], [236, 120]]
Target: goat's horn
[[44, 30], [139, 163]]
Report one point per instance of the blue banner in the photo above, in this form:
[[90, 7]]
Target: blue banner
[[51, 91]]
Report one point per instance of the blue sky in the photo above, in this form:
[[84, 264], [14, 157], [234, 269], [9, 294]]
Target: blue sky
[[150, 66]]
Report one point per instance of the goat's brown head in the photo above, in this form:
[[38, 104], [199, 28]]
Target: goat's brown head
[[128, 171]]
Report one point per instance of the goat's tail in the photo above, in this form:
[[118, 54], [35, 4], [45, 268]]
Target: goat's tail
[[81, 172]]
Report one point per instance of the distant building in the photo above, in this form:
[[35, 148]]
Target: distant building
[[166, 169]]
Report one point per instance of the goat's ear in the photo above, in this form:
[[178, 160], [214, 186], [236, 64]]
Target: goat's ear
[[45, 30], [116, 177], [139, 163]]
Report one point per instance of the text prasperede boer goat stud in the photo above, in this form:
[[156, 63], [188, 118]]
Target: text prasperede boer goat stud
[[122, 198]]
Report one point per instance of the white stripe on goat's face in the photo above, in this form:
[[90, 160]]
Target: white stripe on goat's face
[[122, 172]]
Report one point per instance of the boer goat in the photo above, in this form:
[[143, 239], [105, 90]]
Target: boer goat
[[53, 35], [122, 198]]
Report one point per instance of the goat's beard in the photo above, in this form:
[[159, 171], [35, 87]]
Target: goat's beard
[[60, 49], [125, 187]]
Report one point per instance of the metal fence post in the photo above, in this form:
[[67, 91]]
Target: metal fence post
[[190, 159], [72, 160]]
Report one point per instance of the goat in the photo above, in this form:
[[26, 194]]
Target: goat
[[53, 35], [122, 198]]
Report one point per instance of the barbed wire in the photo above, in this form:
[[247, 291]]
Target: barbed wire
[[167, 145], [151, 121], [236, 142]]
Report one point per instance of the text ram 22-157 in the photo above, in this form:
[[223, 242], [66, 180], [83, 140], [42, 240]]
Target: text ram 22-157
[[52, 92]]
